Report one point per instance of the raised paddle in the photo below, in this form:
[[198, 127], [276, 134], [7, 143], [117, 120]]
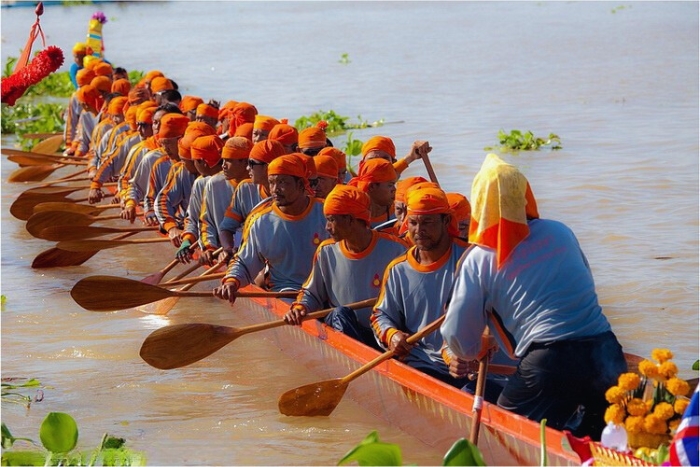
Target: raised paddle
[[43, 220], [23, 207], [183, 344], [67, 233], [96, 245], [57, 258], [478, 403], [429, 168], [110, 293], [31, 160], [322, 398], [67, 206]]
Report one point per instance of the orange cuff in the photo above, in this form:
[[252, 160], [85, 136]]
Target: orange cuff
[[95, 185], [130, 203], [190, 237], [388, 335], [169, 224], [400, 166], [231, 280]]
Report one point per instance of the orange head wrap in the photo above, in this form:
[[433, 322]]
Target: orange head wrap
[[122, 86], [403, 185], [241, 113], [460, 205], [379, 143], [326, 166], [503, 201], [245, 131], [263, 122], [266, 151], [145, 115], [102, 83], [207, 148], [206, 110], [194, 130], [226, 109], [88, 95], [138, 95], [189, 103], [160, 83], [130, 117], [284, 133], [374, 171], [308, 163], [312, 137], [336, 154], [237, 148], [430, 200], [289, 164], [116, 105], [148, 77], [347, 200], [84, 76], [102, 69], [172, 125]]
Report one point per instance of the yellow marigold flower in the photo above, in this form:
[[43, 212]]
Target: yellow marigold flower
[[673, 425], [655, 425], [648, 369], [668, 370], [678, 387], [663, 410], [616, 414], [680, 405], [661, 355], [615, 395], [637, 407], [629, 381], [634, 424]]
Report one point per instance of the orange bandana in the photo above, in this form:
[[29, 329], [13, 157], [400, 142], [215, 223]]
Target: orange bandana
[[138, 95], [194, 130], [312, 137], [190, 103], [379, 143], [145, 114], [374, 171], [172, 126], [84, 76], [336, 154], [403, 185], [206, 110], [284, 133], [347, 200], [160, 83], [263, 122], [245, 131], [130, 117], [289, 164], [88, 95], [237, 148], [102, 83], [241, 113], [502, 201], [207, 148], [460, 205], [266, 151], [325, 166], [116, 105], [102, 69]]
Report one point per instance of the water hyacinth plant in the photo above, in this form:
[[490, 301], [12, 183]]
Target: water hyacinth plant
[[518, 140]]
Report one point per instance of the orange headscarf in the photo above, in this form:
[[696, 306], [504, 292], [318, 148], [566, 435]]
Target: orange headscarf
[[145, 114], [289, 164], [194, 130], [336, 154], [245, 131], [130, 117], [241, 113], [161, 83], [237, 148], [308, 162], [403, 185], [138, 95], [172, 125], [263, 122], [207, 148], [266, 151], [284, 133], [116, 105], [84, 76], [102, 69], [312, 137], [122, 86], [379, 143], [347, 200], [430, 200], [146, 80], [374, 171], [503, 201], [102, 83], [325, 166], [460, 205], [88, 95], [206, 110], [190, 103], [226, 109]]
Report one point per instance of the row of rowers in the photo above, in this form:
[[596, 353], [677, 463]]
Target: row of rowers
[[214, 178]]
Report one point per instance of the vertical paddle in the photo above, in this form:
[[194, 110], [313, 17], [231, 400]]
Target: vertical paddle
[[183, 344], [323, 397], [429, 168], [479, 396]]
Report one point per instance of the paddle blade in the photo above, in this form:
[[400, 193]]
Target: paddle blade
[[50, 145], [312, 400], [109, 293], [54, 190], [23, 207], [183, 344], [63, 233], [35, 173], [36, 223], [57, 258], [67, 206], [161, 307]]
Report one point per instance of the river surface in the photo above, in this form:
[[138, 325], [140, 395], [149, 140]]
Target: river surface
[[618, 82]]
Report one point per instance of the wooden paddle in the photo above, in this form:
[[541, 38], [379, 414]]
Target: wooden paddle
[[429, 168], [39, 154], [85, 209], [23, 207], [56, 258], [195, 280], [478, 403], [158, 276], [322, 398], [110, 293], [33, 160], [35, 173], [93, 245], [43, 220], [68, 233], [183, 344], [58, 190], [40, 135], [49, 145]]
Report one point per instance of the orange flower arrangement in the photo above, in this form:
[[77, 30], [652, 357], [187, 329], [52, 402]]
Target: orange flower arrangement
[[649, 405]]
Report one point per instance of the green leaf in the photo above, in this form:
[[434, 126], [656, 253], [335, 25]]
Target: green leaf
[[23, 458], [59, 432], [463, 452], [371, 451], [696, 365]]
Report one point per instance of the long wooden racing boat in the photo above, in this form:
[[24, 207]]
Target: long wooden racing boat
[[429, 410]]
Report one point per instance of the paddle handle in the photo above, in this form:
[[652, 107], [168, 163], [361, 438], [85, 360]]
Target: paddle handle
[[477, 406], [209, 272], [429, 168], [262, 294], [194, 280], [390, 353]]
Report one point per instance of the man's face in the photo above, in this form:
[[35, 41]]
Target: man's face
[[376, 154], [339, 226], [156, 120], [400, 210], [234, 168], [382, 193], [259, 134], [285, 189], [323, 186], [145, 130], [189, 166], [427, 230], [257, 171], [170, 146], [117, 118]]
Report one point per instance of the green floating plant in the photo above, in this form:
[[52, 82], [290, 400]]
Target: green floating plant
[[344, 59], [518, 140]]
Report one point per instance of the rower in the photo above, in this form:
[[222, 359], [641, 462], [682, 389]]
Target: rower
[[285, 134], [528, 279], [73, 110], [90, 101], [348, 267], [262, 126], [158, 85], [144, 126], [242, 112], [383, 147], [377, 178], [311, 140], [462, 210], [326, 175], [208, 113], [340, 160], [79, 51], [188, 105], [283, 234]]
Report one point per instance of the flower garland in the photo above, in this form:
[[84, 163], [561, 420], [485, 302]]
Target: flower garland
[[46, 62]]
